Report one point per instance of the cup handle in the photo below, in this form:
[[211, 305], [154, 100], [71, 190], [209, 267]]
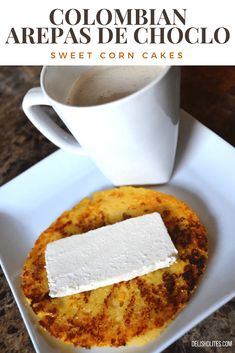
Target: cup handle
[[32, 101]]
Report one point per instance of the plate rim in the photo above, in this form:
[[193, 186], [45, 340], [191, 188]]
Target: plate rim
[[179, 333]]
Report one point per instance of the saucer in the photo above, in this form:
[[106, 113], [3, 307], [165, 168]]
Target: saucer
[[204, 177]]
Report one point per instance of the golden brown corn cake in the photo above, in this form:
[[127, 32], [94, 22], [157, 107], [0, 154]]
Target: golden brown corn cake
[[126, 313]]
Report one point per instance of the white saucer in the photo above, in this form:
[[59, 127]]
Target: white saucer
[[204, 177]]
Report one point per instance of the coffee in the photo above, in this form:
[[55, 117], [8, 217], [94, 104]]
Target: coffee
[[104, 84], [131, 140]]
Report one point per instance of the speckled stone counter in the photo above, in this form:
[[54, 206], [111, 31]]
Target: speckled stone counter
[[208, 93]]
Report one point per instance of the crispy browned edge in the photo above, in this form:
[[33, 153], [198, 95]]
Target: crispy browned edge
[[161, 303]]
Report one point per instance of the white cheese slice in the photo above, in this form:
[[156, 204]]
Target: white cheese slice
[[108, 255]]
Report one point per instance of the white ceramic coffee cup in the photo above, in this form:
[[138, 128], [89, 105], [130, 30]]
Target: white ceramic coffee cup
[[132, 140]]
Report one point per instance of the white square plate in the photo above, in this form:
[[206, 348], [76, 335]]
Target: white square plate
[[204, 177]]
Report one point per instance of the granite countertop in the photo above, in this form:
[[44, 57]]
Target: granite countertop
[[208, 93]]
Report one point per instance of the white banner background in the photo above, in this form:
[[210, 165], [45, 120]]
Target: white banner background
[[28, 13]]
